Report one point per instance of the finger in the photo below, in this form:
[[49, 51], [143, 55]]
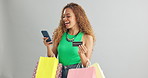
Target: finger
[[84, 48], [80, 49], [44, 38], [49, 42]]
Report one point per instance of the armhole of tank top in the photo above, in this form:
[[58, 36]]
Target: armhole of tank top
[[82, 39]]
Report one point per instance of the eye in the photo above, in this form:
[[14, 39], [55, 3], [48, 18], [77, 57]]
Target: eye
[[63, 17], [68, 16]]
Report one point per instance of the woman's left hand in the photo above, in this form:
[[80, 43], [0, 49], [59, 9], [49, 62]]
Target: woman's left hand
[[82, 49]]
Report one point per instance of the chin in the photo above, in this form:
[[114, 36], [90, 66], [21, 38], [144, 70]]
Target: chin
[[68, 27]]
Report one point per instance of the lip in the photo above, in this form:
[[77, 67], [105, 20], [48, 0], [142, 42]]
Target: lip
[[67, 24]]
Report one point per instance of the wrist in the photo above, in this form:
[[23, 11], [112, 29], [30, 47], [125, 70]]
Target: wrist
[[48, 46]]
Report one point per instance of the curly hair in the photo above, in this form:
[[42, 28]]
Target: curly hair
[[82, 21]]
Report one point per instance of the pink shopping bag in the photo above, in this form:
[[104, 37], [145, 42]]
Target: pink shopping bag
[[89, 72]]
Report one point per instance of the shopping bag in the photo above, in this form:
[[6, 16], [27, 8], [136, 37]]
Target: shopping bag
[[89, 72], [58, 72], [99, 72], [47, 67]]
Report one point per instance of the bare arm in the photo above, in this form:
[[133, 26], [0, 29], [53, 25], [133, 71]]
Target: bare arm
[[51, 51], [85, 50], [54, 49]]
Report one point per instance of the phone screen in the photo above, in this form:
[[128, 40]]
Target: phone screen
[[45, 34]]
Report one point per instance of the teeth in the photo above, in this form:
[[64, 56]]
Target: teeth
[[67, 22]]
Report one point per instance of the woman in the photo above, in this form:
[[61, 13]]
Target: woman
[[74, 26]]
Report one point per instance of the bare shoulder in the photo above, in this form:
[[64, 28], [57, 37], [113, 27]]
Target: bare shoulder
[[87, 38]]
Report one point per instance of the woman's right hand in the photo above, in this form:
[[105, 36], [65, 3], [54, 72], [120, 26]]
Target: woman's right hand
[[46, 43]]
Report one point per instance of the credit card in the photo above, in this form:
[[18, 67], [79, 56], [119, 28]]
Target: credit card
[[77, 43]]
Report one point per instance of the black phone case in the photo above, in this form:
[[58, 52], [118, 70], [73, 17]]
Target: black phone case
[[77, 43], [45, 34]]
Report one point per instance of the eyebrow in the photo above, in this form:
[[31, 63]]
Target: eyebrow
[[67, 14]]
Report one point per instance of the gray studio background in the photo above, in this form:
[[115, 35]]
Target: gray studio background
[[121, 29]]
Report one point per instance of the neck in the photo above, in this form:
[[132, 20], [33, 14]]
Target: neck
[[74, 30]]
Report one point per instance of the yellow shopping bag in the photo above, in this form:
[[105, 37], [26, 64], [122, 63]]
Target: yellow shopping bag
[[99, 72], [47, 67]]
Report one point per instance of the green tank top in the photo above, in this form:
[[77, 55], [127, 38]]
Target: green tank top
[[68, 54]]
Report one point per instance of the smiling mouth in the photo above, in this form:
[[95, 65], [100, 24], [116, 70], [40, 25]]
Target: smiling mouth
[[67, 23]]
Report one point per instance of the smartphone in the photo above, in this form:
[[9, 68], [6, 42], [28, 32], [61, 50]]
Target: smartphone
[[77, 43], [45, 34]]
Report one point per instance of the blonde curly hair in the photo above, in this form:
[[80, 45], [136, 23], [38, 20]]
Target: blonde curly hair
[[82, 21]]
